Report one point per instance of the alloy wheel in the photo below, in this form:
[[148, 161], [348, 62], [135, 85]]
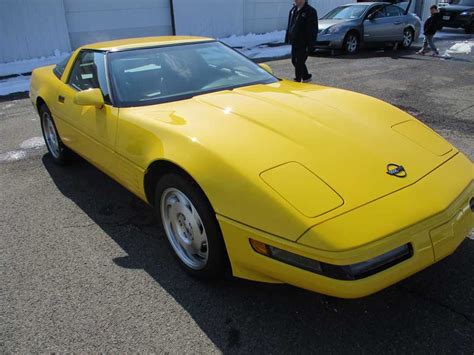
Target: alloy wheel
[[352, 44], [184, 228], [407, 38], [50, 134]]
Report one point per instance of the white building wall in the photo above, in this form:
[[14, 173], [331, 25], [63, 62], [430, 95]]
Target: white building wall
[[222, 18], [35, 28], [100, 20], [324, 6], [30, 29], [214, 18]]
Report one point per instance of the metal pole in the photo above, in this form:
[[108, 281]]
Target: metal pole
[[173, 24]]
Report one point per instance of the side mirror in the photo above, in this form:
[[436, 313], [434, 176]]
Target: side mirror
[[91, 97], [266, 67]]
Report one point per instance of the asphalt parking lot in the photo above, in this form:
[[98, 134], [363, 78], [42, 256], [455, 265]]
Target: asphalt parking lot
[[82, 267]]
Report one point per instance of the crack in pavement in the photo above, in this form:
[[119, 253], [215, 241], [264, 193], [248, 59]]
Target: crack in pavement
[[439, 303]]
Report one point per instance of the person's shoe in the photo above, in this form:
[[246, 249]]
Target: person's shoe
[[420, 53], [296, 80], [435, 54], [308, 78]]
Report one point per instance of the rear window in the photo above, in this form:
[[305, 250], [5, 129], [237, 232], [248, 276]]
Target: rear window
[[60, 67]]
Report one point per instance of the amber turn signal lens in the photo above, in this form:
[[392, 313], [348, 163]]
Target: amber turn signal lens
[[259, 247]]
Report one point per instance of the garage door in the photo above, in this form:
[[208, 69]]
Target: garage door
[[93, 21]]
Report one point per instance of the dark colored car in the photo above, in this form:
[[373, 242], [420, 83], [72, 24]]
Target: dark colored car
[[458, 14]]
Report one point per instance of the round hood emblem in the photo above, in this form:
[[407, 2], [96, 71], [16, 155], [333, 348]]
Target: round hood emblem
[[396, 170]]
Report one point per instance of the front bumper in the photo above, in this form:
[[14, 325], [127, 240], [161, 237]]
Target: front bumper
[[331, 41], [432, 238]]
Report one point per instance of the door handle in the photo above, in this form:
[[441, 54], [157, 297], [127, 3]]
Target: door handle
[[61, 99], [397, 23]]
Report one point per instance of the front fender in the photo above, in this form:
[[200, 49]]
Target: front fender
[[232, 185]]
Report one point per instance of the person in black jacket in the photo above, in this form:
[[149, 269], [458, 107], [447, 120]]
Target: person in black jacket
[[301, 34], [432, 24]]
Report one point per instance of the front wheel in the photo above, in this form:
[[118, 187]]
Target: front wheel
[[408, 38], [351, 43], [57, 150], [190, 225]]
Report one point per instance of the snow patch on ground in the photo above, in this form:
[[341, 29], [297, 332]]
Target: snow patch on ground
[[266, 52], [14, 155], [29, 147], [33, 143], [15, 84], [254, 40], [26, 66], [267, 45], [464, 47]]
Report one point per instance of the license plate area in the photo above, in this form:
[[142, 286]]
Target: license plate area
[[447, 18]]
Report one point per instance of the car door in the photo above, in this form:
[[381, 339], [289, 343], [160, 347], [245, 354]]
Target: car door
[[395, 24], [91, 131], [377, 25]]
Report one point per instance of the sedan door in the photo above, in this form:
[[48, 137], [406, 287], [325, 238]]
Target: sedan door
[[396, 23], [88, 130], [377, 26]]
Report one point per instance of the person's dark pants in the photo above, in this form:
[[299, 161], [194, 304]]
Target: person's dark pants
[[298, 58]]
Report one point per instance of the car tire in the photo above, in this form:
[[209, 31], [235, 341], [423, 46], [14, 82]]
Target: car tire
[[408, 38], [351, 43], [57, 150], [469, 29], [189, 223]]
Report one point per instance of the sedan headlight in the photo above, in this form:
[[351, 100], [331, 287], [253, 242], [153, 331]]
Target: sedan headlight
[[333, 29]]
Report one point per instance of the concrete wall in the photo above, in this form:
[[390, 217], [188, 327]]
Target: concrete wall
[[30, 29], [99, 20]]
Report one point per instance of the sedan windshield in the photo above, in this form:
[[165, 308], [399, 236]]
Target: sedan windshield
[[346, 12], [168, 73]]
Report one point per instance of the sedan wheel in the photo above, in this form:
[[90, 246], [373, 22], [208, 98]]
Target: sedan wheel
[[407, 38], [351, 43], [190, 225]]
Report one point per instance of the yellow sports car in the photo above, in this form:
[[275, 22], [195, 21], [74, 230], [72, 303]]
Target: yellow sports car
[[276, 181]]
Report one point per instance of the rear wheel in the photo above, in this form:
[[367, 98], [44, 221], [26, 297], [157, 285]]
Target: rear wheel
[[351, 43], [469, 29], [408, 38], [58, 151], [190, 225]]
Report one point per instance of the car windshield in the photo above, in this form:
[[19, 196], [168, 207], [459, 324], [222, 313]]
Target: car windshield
[[403, 4], [168, 73], [346, 12], [463, 2]]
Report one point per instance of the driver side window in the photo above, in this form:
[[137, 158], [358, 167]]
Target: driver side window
[[377, 12], [88, 72], [393, 11]]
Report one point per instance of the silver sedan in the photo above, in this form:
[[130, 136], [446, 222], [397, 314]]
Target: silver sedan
[[348, 27]]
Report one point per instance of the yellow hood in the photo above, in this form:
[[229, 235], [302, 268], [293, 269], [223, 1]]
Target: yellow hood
[[346, 140]]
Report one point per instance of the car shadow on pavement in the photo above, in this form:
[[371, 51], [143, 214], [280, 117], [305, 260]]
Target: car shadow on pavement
[[432, 311]]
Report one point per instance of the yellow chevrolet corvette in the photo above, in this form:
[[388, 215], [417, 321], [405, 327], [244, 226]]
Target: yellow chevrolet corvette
[[276, 181]]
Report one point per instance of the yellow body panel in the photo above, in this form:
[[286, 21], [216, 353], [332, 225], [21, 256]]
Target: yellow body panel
[[257, 152]]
